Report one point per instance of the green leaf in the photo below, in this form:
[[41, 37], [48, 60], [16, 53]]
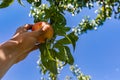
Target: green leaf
[[69, 39], [73, 38], [52, 66], [56, 17], [61, 19], [36, 3], [49, 64], [43, 70], [62, 30], [20, 2], [6, 3], [47, 60], [70, 58], [61, 55], [62, 41], [30, 1], [66, 29], [45, 51], [64, 54]]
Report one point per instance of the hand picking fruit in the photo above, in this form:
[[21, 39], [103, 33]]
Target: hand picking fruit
[[22, 43], [45, 28]]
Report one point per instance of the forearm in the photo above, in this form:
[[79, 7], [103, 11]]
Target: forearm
[[5, 64], [6, 57]]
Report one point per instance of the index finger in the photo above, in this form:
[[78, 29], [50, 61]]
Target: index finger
[[28, 26]]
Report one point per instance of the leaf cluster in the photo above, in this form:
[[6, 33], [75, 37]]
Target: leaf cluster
[[56, 53]]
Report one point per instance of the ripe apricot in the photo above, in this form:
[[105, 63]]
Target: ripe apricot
[[48, 34]]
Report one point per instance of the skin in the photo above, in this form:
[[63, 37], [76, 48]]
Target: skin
[[49, 33], [19, 46]]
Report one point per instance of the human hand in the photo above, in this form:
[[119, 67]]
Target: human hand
[[26, 41], [19, 46]]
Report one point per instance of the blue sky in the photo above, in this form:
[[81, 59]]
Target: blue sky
[[97, 52]]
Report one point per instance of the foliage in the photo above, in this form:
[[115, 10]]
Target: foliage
[[76, 71], [56, 53], [6, 3]]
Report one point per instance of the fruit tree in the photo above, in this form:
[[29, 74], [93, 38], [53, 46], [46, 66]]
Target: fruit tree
[[55, 50]]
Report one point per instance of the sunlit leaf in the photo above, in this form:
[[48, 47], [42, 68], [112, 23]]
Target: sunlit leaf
[[61, 30], [43, 70], [69, 39], [52, 66], [6, 3], [48, 62], [56, 17], [64, 54], [20, 2], [30, 1], [61, 55], [70, 58], [37, 3], [73, 39]]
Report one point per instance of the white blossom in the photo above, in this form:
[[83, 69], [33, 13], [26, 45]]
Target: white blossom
[[96, 11], [91, 4], [31, 7], [83, 20], [95, 28], [73, 14], [36, 0], [106, 6], [70, 6]]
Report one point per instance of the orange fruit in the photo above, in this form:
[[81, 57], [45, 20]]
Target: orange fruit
[[47, 34]]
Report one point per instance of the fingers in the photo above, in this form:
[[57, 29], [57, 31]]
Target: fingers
[[45, 27], [40, 32], [21, 29], [35, 34], [28, 26], [24, 28]]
